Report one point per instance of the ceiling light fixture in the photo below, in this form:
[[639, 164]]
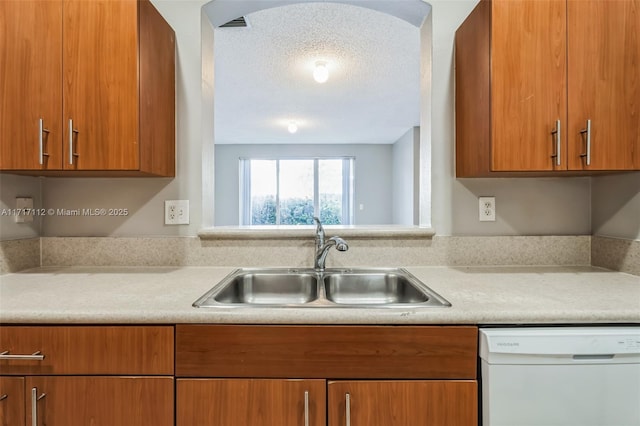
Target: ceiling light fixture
[[321, 72], [293, 127]]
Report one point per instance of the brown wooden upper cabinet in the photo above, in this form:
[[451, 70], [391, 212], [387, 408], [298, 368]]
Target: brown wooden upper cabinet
[[548, 87], [88, 88]]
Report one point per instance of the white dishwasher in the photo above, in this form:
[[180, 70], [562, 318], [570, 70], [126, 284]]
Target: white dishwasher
[[560, 376]]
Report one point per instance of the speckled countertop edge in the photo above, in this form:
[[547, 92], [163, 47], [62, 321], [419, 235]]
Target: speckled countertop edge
[[164, 295]]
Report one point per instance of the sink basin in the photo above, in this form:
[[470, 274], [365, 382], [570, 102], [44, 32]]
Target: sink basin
[[337, 288], [364, 288], [379, 287], [264, 287]]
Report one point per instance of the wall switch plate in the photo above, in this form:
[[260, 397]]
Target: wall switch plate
[[24, 209], [176, 212], [487, 209]]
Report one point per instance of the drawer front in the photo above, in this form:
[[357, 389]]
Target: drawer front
[[411, 352], [136, 350]]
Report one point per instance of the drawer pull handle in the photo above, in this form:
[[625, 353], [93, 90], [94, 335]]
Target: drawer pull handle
[[36, 356], [34, 405], [556, 133], [587, 131], [306, 408], [3, 397], [347, 409]]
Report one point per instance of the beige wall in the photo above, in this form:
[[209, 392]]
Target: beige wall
[[615, 203]]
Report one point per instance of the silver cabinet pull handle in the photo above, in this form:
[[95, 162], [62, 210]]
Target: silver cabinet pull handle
[[347, 409], [36, 356], [71, 133], [306, 408], [41, 141], [3, 397], [556, 132], [34, 405], [587, 155]]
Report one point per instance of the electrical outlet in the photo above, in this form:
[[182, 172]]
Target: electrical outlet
[[24, 206], [176, 212], [487, 209]]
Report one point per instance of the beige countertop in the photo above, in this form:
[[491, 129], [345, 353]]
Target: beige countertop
[[479, 295]]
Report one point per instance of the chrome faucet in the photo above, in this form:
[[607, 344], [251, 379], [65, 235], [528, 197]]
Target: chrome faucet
[[322, 248]]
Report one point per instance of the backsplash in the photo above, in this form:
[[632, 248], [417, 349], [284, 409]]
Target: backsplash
[[616, 254], [192, 251], [16, 255]]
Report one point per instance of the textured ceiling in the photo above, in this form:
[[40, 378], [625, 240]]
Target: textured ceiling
[[263, 76]]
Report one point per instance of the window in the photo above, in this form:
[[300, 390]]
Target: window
[[293, 191]]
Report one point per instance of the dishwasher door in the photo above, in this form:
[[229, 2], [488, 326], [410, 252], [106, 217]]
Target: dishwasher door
[[560, 376]]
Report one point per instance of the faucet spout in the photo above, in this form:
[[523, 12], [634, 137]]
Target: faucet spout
[[322, 247], [319, 233]]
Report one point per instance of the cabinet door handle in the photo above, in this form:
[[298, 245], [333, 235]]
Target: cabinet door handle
[[587, 155], [558, 139], [36, 356], [306, 408], [34, 405], [41, 141], [347, 409], [3, 397], [72, 131]]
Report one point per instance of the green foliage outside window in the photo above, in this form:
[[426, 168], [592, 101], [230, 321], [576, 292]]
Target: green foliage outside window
[[295, 211]]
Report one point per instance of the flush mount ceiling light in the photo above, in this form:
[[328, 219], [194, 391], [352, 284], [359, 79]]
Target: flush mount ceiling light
[[292, 127], [321, 72]]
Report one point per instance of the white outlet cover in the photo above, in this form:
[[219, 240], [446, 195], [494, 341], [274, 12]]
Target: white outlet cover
[[26, 204], [176, 212], [487, 209]]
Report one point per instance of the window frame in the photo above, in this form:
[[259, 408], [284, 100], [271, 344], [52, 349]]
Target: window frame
[[348, 166]]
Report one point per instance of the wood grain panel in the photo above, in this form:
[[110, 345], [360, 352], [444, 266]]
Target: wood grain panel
[[157, 93], [404, 403], [326, 351], [528, 92], [12, 406], [604, 83], [101, 84], [30, 83], [237, 402], [140, 350], [82, 401], [473, 103]]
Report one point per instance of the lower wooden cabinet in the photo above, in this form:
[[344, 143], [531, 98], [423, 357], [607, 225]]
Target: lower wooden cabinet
[[87, 375], [238, 375], [267, 402], [403, 403], [82, 401], [250, 402], [12, 407], [265, 375]]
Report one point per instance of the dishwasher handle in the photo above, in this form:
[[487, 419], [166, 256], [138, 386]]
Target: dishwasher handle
[[593, 357]]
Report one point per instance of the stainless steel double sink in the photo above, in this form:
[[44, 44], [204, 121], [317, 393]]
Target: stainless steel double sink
[[282, 287]]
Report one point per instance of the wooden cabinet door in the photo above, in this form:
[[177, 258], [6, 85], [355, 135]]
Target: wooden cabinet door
[[604, 83], [101, 401], [250, 402], [403, 403], [30, 83], [100, 85], [12, 408], [528, 84], [88, 350]]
